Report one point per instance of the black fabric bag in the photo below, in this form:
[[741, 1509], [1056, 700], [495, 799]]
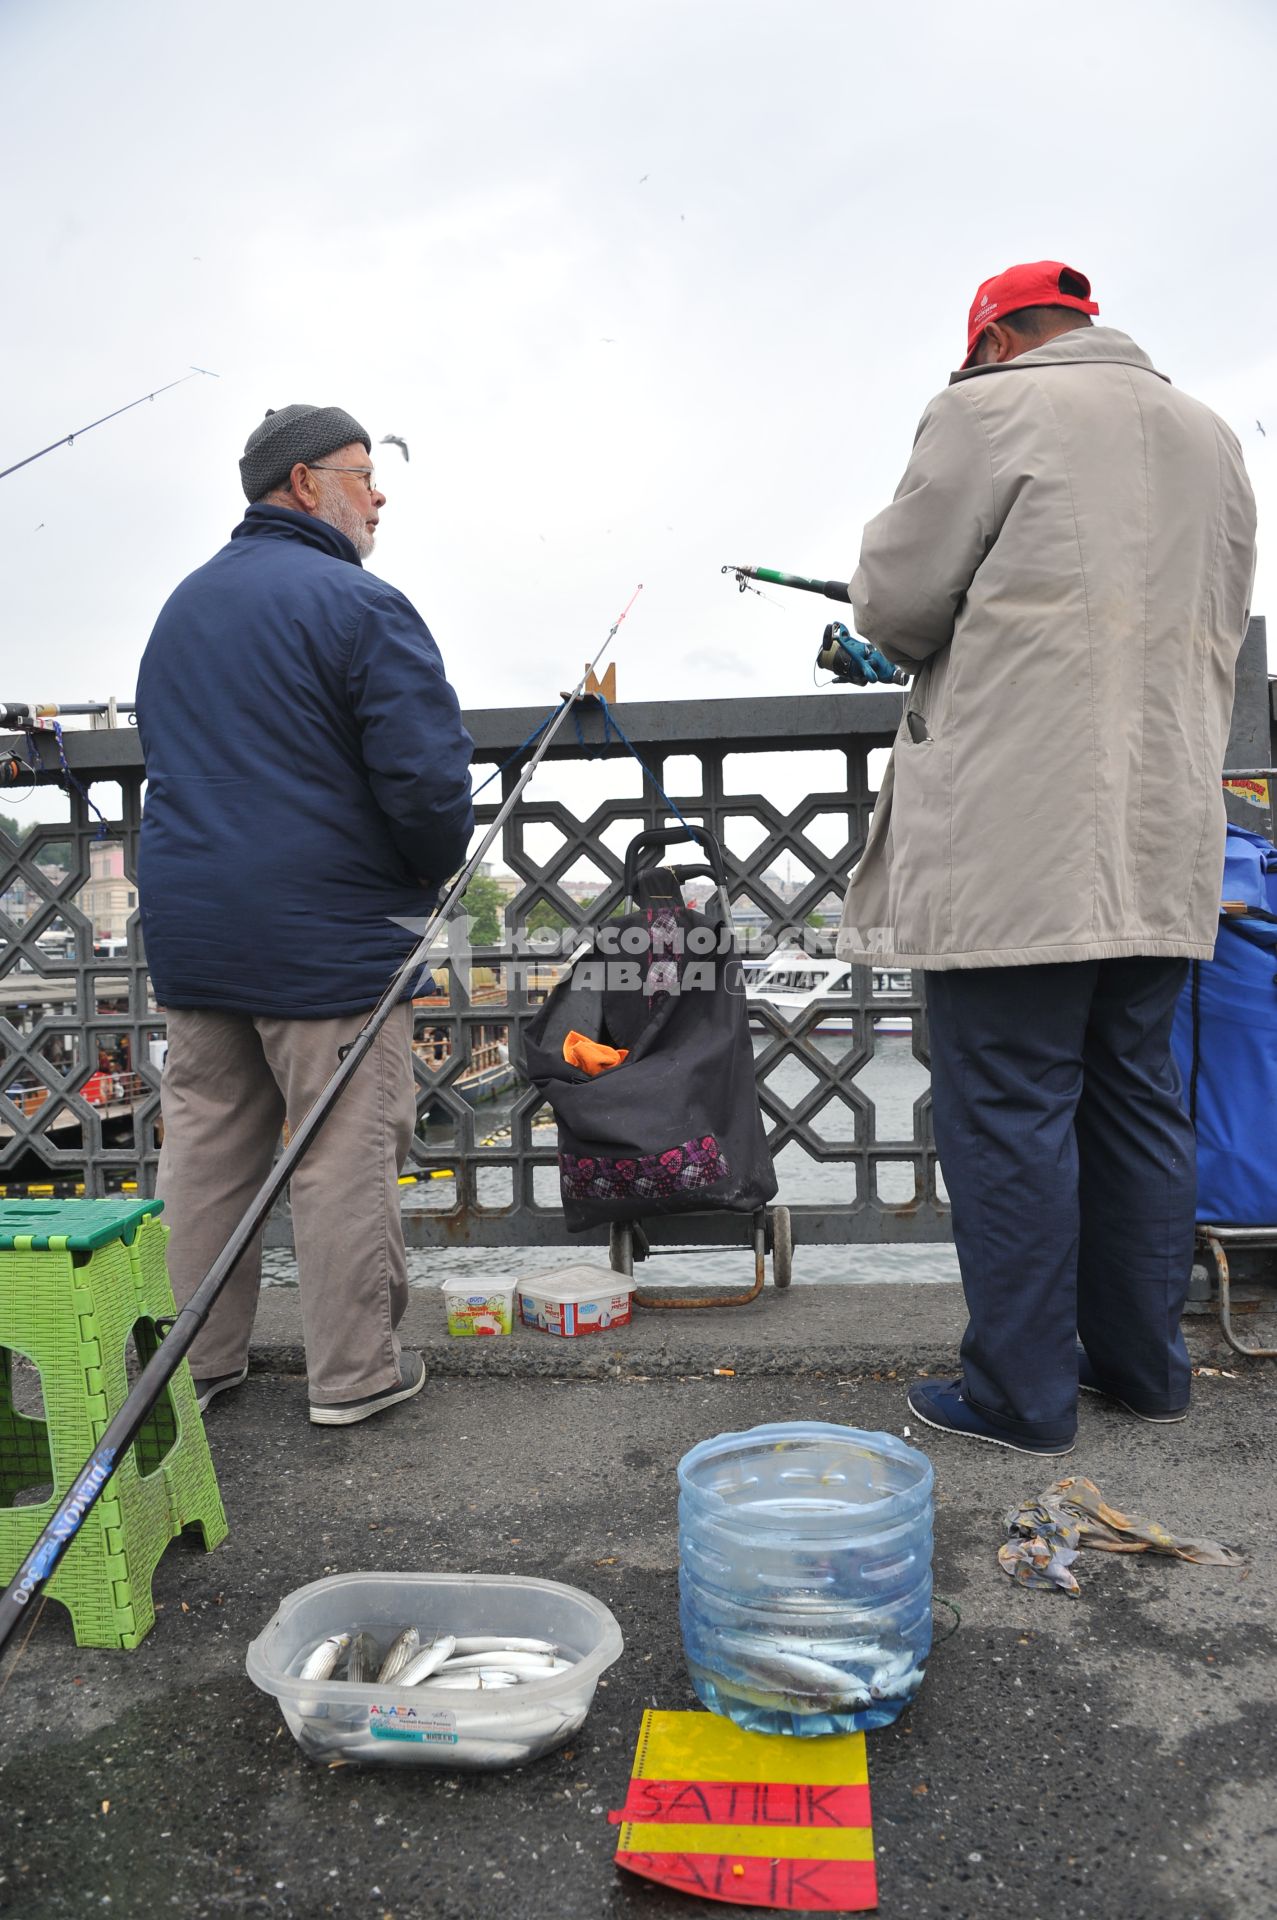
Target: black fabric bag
[[676, 1127]]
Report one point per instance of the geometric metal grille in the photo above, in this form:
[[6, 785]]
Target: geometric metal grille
[[79, 1096], [790, 828]]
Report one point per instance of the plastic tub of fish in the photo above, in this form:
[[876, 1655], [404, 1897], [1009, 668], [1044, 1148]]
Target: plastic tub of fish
[[486, 1310], [577, 1299], [516, 1683], [805, 1576]]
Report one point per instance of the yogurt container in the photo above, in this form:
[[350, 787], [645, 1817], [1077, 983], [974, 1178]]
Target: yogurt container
[[574, 1300], [479, 1310]]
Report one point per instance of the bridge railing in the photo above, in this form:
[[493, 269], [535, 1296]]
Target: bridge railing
[[786, 785]]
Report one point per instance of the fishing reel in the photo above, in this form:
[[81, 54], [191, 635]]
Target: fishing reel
[[854, 662]]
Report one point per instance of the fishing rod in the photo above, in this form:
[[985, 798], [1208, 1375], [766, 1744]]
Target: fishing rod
[[68, 438], [831, 589], [123, 1430], [850, 660]]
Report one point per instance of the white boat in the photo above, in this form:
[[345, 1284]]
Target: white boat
[[792, 981]]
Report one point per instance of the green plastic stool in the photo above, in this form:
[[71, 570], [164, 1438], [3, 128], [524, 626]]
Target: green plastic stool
[[77, 1278]]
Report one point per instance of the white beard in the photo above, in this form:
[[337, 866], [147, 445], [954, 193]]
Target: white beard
[[336, 510]]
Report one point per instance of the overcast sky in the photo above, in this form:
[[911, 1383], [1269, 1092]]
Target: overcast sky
[[646, 288]]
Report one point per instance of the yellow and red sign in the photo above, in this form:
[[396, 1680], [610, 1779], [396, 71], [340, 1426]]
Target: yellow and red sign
[[756, 1819], [1254, 792]]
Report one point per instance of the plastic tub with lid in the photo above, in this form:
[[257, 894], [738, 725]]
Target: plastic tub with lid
[[479, 1310], [382, 1723], [575, 1300]]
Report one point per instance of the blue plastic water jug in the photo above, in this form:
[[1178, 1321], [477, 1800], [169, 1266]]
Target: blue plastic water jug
[[805, 1576]]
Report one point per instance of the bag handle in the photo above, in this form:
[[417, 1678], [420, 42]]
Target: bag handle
[[658, 837]]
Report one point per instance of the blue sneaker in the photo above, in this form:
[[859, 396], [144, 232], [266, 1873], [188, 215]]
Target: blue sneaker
[[943, 1405], [1089, 1381]]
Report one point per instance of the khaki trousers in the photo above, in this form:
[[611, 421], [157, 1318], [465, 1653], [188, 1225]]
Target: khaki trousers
[[230, 1081]]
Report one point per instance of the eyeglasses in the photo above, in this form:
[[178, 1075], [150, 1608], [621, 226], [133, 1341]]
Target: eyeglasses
[[369, 473]]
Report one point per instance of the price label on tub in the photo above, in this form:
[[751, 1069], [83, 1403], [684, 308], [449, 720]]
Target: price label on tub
[[428, 1726]]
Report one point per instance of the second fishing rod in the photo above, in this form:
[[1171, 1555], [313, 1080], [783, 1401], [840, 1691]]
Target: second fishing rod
[[124, 1428]]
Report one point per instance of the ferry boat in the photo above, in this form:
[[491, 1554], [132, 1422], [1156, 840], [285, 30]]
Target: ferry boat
[[790, 982]]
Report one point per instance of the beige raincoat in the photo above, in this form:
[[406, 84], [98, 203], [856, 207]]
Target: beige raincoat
[[1067, 568]]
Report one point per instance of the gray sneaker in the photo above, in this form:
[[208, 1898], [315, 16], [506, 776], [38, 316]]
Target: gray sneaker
[[219, 1383], [344, 1413]]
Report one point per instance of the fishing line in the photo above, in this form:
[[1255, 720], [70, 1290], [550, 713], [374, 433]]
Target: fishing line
[[747, 586], [69, 439], [13, 1665], [11, 769], [611, 725], [68, 779], [522, 746], [122, 1430], [611, 722], [956, 1611]]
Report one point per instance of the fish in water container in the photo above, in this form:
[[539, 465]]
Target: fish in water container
[[805, 1576]]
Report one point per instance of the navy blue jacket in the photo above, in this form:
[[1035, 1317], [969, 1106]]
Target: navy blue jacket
[[308, 783]]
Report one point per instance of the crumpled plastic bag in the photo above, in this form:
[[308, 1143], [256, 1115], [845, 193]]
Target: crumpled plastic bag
[[1045, 1536]]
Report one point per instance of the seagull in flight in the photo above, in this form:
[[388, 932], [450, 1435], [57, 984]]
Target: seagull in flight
[[393, 440], [1262, 428]]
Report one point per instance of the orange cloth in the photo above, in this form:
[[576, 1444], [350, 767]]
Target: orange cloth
[[591, 1055]]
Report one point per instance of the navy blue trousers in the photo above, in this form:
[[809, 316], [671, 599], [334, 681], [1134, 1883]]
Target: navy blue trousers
[[1071, 1170]]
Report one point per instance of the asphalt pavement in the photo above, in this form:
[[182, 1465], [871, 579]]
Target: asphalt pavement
[[1067, 1758]]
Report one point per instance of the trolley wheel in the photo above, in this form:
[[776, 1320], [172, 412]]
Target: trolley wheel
[[782, 1247]]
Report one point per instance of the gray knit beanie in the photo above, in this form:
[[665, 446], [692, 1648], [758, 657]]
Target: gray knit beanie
[[290, 434]]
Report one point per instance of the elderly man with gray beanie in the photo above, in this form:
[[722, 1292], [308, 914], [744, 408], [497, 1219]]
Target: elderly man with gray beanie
[[308, 791]]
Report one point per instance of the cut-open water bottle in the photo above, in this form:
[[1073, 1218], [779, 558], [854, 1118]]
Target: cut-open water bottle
[[805, 1576]]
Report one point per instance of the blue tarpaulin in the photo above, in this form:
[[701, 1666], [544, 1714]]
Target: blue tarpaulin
[[1225, 1040]]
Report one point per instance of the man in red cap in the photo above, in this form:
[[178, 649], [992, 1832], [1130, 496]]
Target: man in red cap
[[1066, 569]]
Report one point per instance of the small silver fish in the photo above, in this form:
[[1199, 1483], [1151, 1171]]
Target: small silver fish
[[430, 1658], [321, 1660], [400, 1653], [477, 1755], [474, 1679], [511, 1658], [878, 1673], [492, 1753], [499, 1643], [361, 1661], [796, 1683], [889, 1683], [783, 1700], [857, 1653], [796, 1672]]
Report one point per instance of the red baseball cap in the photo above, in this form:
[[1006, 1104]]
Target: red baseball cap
[[1041, 284]]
